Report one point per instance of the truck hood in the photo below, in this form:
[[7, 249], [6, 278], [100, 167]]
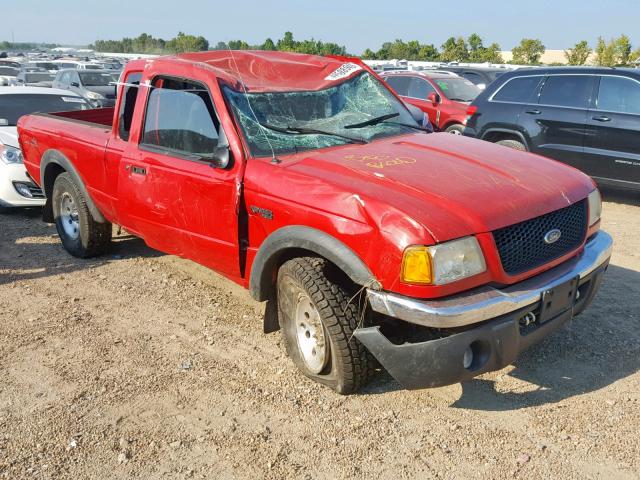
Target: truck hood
[[451, 185], [9, 136]]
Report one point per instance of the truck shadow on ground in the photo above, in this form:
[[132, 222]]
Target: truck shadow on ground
[[596, 349], [31, 249], [629, 197]]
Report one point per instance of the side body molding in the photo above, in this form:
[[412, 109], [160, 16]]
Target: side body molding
[[49, 160], [300, 237]]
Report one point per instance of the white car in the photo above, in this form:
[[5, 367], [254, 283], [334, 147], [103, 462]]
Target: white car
[[16, 187]]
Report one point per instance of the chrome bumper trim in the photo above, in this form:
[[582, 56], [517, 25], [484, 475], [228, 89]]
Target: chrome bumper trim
[[484, 303]]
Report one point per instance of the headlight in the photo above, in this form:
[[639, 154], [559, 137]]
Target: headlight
[[10, 154], [595, 206], [94, 96], [443, 263]]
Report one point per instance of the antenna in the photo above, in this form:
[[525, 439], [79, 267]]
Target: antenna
[[274, 159]]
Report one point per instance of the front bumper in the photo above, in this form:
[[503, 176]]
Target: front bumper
[[13, 174], [498, 336]]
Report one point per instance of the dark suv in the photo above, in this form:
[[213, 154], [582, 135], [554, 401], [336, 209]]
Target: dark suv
[[586, 117]]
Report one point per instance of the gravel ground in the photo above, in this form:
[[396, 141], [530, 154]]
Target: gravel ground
[[141, 365]]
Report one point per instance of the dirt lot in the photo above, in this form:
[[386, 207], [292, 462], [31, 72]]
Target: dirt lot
[[139, 365]]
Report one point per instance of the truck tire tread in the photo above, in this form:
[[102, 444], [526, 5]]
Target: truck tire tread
[[339, 315]]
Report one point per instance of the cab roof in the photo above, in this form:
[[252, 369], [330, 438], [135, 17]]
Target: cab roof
[[268, 71]]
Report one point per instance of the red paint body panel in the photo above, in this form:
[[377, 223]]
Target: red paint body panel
[[377, 198]]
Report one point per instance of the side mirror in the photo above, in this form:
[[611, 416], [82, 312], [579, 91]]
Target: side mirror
[[434, 98], [75, 84], [221, 156]]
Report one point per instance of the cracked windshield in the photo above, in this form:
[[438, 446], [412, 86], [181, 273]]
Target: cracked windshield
[[355, 111]]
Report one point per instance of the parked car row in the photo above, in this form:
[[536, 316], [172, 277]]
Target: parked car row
[[17, 189], [586, 117]]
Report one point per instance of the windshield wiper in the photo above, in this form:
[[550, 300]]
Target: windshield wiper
[[373, 121], [459, 100], [417, 127], [311, 131]]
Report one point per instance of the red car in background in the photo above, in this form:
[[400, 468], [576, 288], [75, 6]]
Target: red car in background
[[443, 96]]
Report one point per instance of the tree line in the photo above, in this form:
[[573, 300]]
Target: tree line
[[22, 46], [148, 44], [616, 51]]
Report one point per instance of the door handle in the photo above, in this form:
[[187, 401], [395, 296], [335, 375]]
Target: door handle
[[134, 169], [533, 112], [602, 118]]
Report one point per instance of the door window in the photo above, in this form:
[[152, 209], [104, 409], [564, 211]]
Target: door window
[[180, 117], [519, 90], [128, 103], [567, 91], [619, 94], [419, 88], [399, 83]]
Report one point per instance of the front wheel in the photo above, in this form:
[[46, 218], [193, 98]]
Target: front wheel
[[456, 129], [318, 316], [80, 234], [515, 144]]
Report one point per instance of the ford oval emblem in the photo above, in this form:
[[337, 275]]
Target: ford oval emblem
[[552, 236]]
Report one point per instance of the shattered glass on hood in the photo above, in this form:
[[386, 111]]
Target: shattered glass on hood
[[356, 100]]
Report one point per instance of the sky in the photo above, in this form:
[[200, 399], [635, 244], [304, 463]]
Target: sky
[[357, 24]]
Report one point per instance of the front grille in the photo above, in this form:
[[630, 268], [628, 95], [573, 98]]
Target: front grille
[[522, 246]]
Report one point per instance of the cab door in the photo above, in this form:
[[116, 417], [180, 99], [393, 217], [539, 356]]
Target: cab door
[[612, 145], [179, 201], [556, 123]]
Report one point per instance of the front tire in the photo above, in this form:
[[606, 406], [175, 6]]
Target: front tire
[[515, 144], [317, 317], [80, 234], [455, 129]]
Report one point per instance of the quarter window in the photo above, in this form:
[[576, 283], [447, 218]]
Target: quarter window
[[128, 103], [519, 90], [473, 77], [567, 91], [619, 94], [180, 117]]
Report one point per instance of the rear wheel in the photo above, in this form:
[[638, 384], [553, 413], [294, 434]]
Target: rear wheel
[[80, 234], [456, 129], [317, 319], [515, 144]]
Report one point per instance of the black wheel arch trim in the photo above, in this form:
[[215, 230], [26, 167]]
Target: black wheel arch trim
[[517, 133], [262, 282], [55, 157]]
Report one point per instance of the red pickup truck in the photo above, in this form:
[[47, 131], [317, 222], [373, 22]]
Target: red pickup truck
[[307, 181]]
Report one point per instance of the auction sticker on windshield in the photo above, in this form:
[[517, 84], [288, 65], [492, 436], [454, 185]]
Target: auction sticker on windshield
[[343, 71]]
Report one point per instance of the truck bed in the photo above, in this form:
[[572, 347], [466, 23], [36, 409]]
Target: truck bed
[[98, 116], [81, 137]]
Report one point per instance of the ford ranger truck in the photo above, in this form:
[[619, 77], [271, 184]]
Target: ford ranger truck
[[307, 181]]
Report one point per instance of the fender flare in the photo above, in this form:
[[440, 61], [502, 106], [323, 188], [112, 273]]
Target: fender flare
[[261, 281], [54, 157], [517, 133]]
